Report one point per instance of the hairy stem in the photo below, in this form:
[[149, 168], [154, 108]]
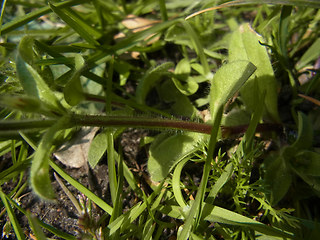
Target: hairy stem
[[133, 121]]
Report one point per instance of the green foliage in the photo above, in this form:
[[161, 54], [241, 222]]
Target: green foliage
[[166, 151], [245, 44], [80, 65]]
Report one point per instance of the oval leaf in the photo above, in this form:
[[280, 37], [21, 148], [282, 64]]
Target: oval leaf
[[227, 81], [166, 151], [245, 44]]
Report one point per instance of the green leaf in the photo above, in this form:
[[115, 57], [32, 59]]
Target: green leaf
[[35, 86], [310, 55], [222, 180], [221, 215], [181, 79], [307, 162], [176, 183], [181, 105], [93, 197], [135, 38], [23, 19], [35, 226], [78, 24], [305, 134], [279, 177], [26, 49], [307, 165], [26, 104], [97, 148], [227, 81], [245, 44], [13, 219], [302, 3], [150, 80], [73, 92], [166, 151], [39, 173]]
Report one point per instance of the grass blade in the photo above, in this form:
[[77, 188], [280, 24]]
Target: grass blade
[[78, 24], [13, 219], [221, 215], [24, 19], [102, 204]]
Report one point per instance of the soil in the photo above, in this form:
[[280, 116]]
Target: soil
[[61, 213]]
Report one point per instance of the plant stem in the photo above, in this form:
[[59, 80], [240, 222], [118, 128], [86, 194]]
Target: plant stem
[[140, 122], [133, 121]]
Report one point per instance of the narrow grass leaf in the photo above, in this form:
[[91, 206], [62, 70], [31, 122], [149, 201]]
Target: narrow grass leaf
[[245, 44], [135, 38], [23, 19], [199, 49], [102, 204], [46, 226], [310, 55], [78, 24], [221, 215], [222, 180], [301, 3], [148, 229], [35, 226], [12, 217], [69, 194], [176, 183], [127, 218]]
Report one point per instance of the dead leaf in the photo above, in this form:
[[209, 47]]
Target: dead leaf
[[74, 153], [137, 24]]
